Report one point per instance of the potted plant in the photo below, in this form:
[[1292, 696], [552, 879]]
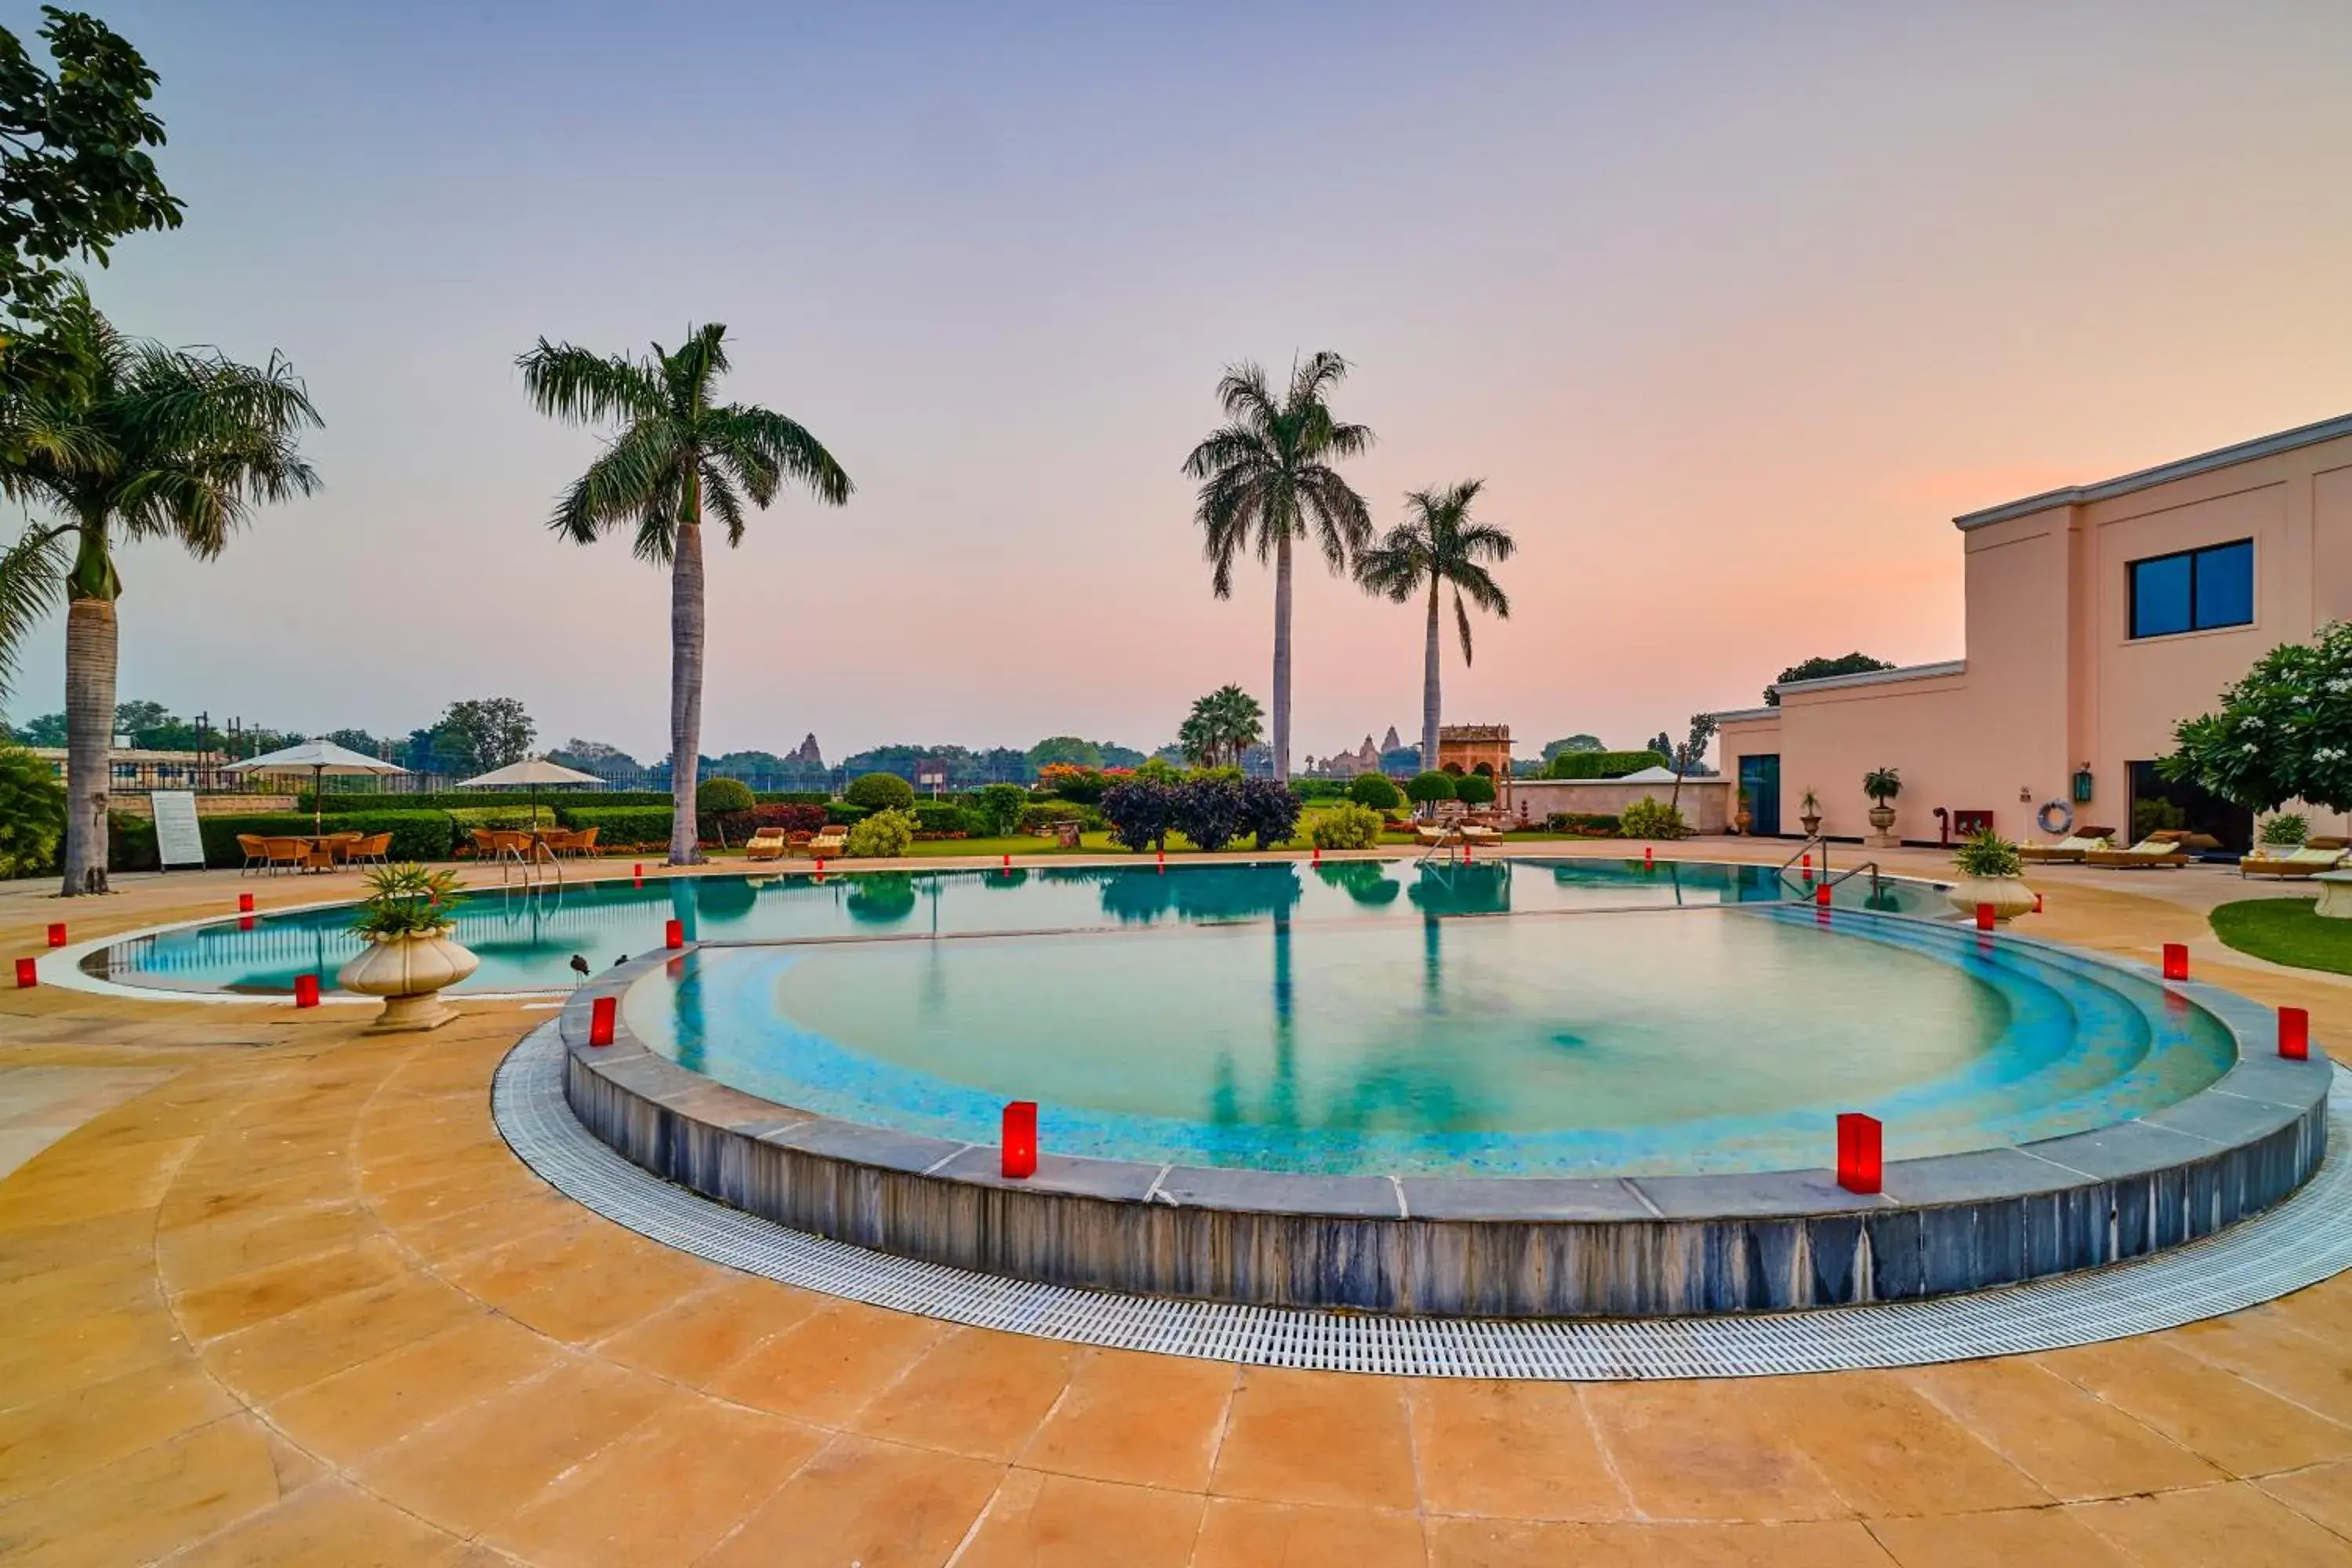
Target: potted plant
[[406, 918], [2286, 832], [1809, 815], [1743, 818], [1989, 874], [1882, 785]]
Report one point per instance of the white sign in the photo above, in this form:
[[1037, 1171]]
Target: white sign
[[177, 840]]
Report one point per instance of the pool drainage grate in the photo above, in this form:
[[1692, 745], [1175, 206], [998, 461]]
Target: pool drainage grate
[[2302, 1241]]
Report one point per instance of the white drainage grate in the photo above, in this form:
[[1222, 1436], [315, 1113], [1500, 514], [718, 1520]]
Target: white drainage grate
[[2302, 1241]]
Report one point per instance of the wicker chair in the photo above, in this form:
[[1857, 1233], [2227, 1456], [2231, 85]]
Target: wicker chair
[[371, 850], [256, 852], [286, 854]]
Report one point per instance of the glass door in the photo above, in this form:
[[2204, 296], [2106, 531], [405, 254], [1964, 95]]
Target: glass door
[[1760, 778]]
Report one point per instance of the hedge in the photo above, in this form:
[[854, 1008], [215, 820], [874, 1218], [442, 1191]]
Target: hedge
[[416, 835], [619, 827], [793, 797], [1603, 764], [944, 817], [461, 799], [1595, 823]]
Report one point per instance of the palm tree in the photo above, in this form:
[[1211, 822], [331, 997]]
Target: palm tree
[[1221, 727], [677, 452], [1266, 480], [143, 442], [1438, 543]]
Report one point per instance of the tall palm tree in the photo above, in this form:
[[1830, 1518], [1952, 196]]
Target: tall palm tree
[[142, 442], [1266, 480], [1438, 543], [677, 452], [1221, 727]]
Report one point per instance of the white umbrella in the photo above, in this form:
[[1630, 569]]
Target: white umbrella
[[317, 758], [533, 772]]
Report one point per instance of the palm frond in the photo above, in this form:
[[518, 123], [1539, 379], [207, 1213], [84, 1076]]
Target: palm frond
[[620, 484], [573, 384], [764, 447], [1462, 621], [31, 582], [718, 495]]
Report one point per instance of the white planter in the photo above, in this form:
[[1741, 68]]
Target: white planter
[[408, 973], [2335, 894], [2008, 896]]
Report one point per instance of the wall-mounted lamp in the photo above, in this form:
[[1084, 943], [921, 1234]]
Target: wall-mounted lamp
[[2083, 784]]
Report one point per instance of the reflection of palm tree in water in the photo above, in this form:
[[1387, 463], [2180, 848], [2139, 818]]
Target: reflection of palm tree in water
[[1285, 1107], [1432, 964], [693, 1036]]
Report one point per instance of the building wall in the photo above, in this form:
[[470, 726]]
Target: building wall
[[1706, 803]]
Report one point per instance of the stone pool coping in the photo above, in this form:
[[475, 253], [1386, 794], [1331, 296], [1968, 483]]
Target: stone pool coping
[[1476, 1245]]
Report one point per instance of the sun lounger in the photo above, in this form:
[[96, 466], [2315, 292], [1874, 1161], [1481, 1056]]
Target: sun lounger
[[1436, 833], [2147, 852], [832, 841], [2069, 850], [767, 844], [2304, 862], [1478, 833]]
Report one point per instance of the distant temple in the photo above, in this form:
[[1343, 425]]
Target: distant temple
[[1364, 759], [806, 752], [1391, 742]]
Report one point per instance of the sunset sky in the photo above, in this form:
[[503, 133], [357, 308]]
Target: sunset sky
[[1734, 307]]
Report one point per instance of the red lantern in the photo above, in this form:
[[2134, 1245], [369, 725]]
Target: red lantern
[[600, 1020], [1649, 858], [306, 991], [245, 903], [1984, 917], [674, 933], [1858, 1152], [1021, 1138], [2294, 1034], [57, 933], [29, 973], [2176, 961]]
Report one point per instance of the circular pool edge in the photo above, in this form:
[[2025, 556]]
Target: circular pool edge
[[1482, 1247]]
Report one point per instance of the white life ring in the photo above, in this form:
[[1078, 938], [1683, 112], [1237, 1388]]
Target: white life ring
[[2056, 818]]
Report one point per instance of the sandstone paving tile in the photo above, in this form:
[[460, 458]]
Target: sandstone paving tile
[[149, 1502], [664, 1493], [378, 1402], [611, 1288], [44, 1249], [327, 1523], [830, 1364], [880, 1505], [310, 1183], [1704, 1451], [242, 1300], [2234, 1524], [1498, 1543], [1038, 1520], [124, 1281], [484, 1226], [58, 1439], [2322, 1494], [199, 1255], [1237, 1532], [40, 1362], [482, 1464], [40, 1194], [1999, 1540], [2208, 1409], [384, 1148], [1516, 1450], [974, 1392], [2314, 1372], [474, 1163], [1300, 1437], [2074, 1445], [302, 1347], [432, 1199], [515, 1265], [694, 1339], [2323, 1310], [1886, 1449], [1155, 1420]]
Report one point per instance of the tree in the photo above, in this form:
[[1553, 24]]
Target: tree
[[1438, 544], [1221, 726], [32, 813], [1266, 481], [143, 442], [1573, 743], [46, 730], [482, 733], [1376, 791], [677, 452], [1429, 788], [1689, 756], [2284, 731], [1822, 669], [1068, 750], [360, 741], [74, 178]]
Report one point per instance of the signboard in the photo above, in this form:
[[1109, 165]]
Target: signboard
[[177, 840]]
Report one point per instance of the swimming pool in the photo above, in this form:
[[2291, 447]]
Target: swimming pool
[[526, 937]]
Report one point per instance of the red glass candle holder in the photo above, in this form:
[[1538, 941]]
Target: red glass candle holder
[[28, 974], [600, 1013], [2294, 1034], [57, 933], [245, 903], [1021, 1138], [1858, 1152], [1984, 917], [306, 991], [674, 933], [2176, 961]]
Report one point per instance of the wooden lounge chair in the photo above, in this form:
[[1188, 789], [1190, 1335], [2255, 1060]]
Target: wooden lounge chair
[[832, 841], [2145, 853], [2304, 862], [1478, 833], [2069, 850], [1436, 833], [256, 852], [767, 844]]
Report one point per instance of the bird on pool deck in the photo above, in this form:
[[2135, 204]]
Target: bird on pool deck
[[580, 966]]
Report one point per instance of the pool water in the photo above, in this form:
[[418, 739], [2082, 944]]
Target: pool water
[[526, 938]]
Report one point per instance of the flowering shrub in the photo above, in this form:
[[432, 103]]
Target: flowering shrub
[[1650, 817], [791, 818], [882, 835], [1085, 786], [2284, 732], [1347, 825]]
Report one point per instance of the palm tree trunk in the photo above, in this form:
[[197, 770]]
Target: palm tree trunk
[[1282, 657], [90, 653], [687, 625], [1430, 666]]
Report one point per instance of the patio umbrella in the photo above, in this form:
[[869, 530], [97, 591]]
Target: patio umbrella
[[317, 758], [533, 772]]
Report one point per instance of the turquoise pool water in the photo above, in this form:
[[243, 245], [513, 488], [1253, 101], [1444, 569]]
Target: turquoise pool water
[[526, 938], [1704, 1040]]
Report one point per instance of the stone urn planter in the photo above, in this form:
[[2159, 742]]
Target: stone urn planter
[[1882, 827], [2008, 896], [1811, 822], [409, 971], [2335, 895]]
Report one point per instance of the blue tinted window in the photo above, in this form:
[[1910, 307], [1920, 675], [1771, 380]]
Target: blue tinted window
[[2193, 590], [2225, 585], [2160, 596]]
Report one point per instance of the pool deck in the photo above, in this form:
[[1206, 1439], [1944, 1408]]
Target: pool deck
[[276, 1292]]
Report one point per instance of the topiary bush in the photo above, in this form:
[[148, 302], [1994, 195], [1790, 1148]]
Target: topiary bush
[[942, 819], [723, 797], [1603, 764], [1140, 811], [1475, 789], [1650, 817], [885, 834], [999, 807], [1429, 788], [1347, 826], [841, 814], [879, 792], [1269, 812], [1376, 790]]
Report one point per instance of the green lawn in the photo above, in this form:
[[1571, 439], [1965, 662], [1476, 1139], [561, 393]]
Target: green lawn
[[2285, 930]]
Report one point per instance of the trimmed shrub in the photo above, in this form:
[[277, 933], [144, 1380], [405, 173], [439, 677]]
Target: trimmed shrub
[[942, 819], [1429, 788], [1603, 764], [885, 834], [723, 797], [999, 807], [1318, 789], [793, 796], [506, 818], [879, 792], [1140, 811], [795, 817], [1347, 826], [1376, 790], [462, 799], [416, 835], [1040, 817], [623, 826], [841, 814], [1475, 789], [1269, 812], [1593, 823], [1650, 817], [130, 844], [1208, 812]]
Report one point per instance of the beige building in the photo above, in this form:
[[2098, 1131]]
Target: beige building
[[2097, 616]]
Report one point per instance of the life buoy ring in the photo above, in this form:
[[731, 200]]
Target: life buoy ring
[[2056, 818]]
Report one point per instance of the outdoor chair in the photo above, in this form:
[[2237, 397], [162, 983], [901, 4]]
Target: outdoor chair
[[372, 849], [767, 844], [832, 841], [286, 854], [256, 852], [2304, 862], [2069, 850], [2147, 852], [583, 841], [339, 846]]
